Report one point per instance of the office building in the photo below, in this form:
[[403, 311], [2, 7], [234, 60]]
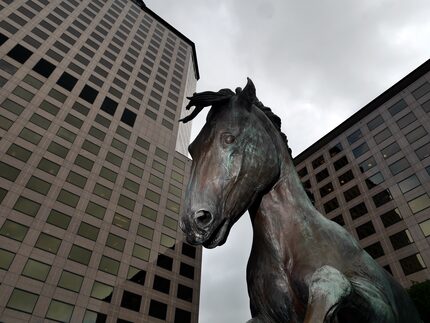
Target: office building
[[93, 164], [371, 174]]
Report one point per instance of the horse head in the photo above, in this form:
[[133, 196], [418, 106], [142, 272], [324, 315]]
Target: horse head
[[235, 159]]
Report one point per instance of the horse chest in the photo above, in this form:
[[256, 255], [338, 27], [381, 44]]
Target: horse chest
[[271, 296]]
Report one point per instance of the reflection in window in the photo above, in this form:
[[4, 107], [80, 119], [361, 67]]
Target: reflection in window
[[59, 311], [412, 264], [102, 291], [367, 164], [399, 166], [136, 275], [374, 180], [425, 227], [401, 239], [420, 203], [22, 301], [338, 164], [391, 217], [358, 210], [382, 198], [409, 183]]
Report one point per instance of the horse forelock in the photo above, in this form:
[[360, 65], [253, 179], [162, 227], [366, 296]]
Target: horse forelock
[[219, 99]]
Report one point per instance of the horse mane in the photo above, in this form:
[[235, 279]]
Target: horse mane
[[209, 98]]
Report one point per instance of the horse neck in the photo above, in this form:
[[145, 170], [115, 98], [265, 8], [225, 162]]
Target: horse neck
[[283, 211]]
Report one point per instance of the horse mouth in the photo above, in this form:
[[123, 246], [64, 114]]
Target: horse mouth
[[218, 236]]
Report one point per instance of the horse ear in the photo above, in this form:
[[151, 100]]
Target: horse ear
[[248, 94]]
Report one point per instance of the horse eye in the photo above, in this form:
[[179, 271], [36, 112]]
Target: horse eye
[[229, 139]]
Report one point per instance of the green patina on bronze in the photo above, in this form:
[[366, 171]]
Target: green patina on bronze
[[303, 267]]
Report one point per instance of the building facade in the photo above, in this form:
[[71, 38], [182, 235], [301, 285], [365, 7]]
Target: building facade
[[90, 181], [371, 174]]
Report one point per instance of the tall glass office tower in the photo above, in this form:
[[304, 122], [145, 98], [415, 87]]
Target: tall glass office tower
[[371, 174], [93, 164]]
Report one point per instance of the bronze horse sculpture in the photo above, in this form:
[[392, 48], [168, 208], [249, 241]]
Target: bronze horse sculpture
[[303, 267]]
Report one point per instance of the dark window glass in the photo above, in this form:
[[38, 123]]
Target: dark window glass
[[367, 164], [318, 162], [374, 180], [421, 91], [165, 262], [335, 149], [128, 117], [346, 177], [3, 39], [306, 185], [354, 136], [185, 293], [89, 94], [412, 264], [136, 275], [44, 68], [416, 134], [375, 250], [352, 193], [67, 81], [339, 219], [331, 205], [20, 53], [131, 301], [399, 166], [303, 172], [358, 210], [409, 183], [406, 120], [397, 107], [188, 250], [390, 150], [426, 106], [186, 270], [382, 198], [341, 162], [322, 175], [109, 106], [360, 150], [161, 284], [423, 152], [157, 310], [391, 217], [401, 239], [382, 135], [365, 230], [326, 189], [182, 316], [388, 269], [375, 122]]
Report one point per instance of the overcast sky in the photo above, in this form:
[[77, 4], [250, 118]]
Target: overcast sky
[[314, 62]]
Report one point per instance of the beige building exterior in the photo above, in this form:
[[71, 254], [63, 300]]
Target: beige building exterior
[[371, 174], [93, 164]]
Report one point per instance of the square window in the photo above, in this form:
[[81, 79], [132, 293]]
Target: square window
[[409, 183], [80, 255], [141, 252], [94, 317], [44, 68], [49, 107], [391, 217], [26, 206], [30, 136], [89, 94], [145, 231], [36, 270], [13, 230], [136, 275], [115, 242], [397, 107], [365, 230], [375, 250], [109, 265], [58, 149], [374, 180], [399, 166], [185, 293], [161, 284], [9, 172], [19, 152], [68, 198], [102, 291], [102, 191], [123, 132], [412, 264], [121, 221], [354, 136], [109, 106], [358, 211], [38, 185], [331, 205], [76, 179], [22, 301], [59, 311], [401, 239], [84, 162], [48, 243], [128, 117], [165, 262], [157, 310], [382, 198], [95, 210], [74, 121], [20, 53], [188, 250], [126, 202], [186, 270], [58, 219], [88, 231], [182, 316], [131, 301], [420, 203], [70, 281], [360, 150], [6, 258]]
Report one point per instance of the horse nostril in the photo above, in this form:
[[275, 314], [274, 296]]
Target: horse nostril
[[203, 218]]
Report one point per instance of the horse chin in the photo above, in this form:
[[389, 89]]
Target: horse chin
[[218, 236]]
